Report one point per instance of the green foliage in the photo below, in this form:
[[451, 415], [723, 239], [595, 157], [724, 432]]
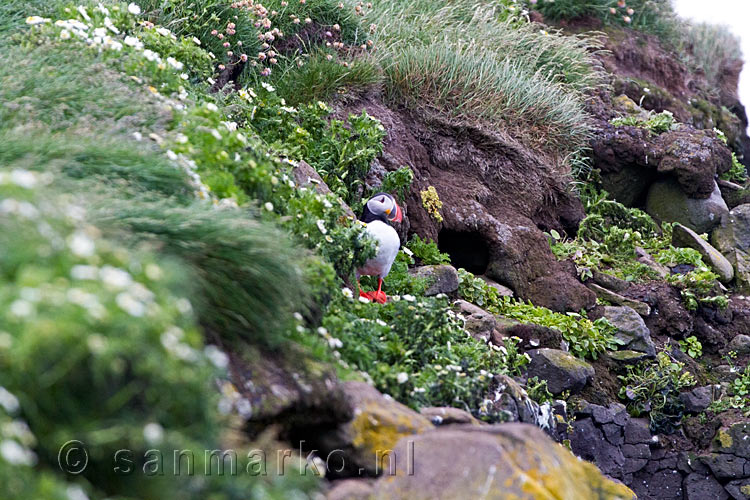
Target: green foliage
[[737, 172], [398, 182], [738, 390], [696, 286], [653, 387], [417, 351], [709, 47], [427, 251], [656, 123], [586, 338], [692, 347], [537, 391]]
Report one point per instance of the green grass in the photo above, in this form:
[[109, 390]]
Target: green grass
[[709, 47], [468, 62]]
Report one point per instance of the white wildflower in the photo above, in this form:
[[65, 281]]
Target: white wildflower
[[130, 305], [15, 454], [110, 26], [132, 41], [23, 178], [175, 63], [81, 272], [34, 20], [402, 377], [134, 9], [84, 14], [322, 226], [212, 107], [364, 300], [8, 400], [347, 293], [153, 433], [81, 245], [216, 356], [163, 31], [409, 298], [268, 206], [196, 41], [65, 35], [268, 86], [151, 55], [114, 277]]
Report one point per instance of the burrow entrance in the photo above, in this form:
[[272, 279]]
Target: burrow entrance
[[466, 249]]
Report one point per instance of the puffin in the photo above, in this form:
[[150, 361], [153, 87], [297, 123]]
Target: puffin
[[377, 214]]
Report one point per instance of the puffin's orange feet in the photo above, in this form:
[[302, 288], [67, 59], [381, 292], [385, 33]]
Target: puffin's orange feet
[[379, 297], [364, 294]]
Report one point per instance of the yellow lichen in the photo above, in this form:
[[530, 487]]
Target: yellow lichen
[[724, 439], [431, 202], [377, 430]]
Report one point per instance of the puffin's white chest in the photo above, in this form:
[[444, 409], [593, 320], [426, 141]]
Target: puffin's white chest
[[388, 244]]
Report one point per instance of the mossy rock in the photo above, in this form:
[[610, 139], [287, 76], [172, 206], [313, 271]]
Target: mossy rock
[[506, 461]]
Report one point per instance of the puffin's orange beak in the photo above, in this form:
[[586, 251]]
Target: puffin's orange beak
[[397, 216]]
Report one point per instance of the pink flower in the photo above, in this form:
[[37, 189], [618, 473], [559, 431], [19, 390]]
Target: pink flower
[[214, 32], [626, 19], [243, 58], [226, 44]]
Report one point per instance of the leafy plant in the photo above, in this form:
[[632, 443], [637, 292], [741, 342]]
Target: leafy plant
[[652, 387], [656, 123], [692, 347], [427, 251], [398, 182], [586, 338]]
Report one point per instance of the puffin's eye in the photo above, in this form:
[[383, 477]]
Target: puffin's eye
[[382, 199]]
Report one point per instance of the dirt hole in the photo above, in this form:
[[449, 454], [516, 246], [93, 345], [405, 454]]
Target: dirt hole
[[466, 249]]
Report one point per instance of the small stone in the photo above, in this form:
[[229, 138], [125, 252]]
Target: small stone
[[478, 322], [637, 431], [702, 487], [740, 344]]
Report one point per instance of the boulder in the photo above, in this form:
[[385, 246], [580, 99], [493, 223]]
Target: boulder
[[642, 256], [440, 279], [449, 416], [562, 371], [687, 238], [377, 423], [739, 344], [610, 282], [734, 440], [615, 298], [478, 322], [627, 357], [492, 462], [631, 330], [668, 202], [732, 239], [698, 399]]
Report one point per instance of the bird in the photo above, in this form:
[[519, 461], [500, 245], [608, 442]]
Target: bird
[[378, 212]]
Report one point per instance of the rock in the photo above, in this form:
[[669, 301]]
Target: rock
[[725, 466], [667, 202], [535, 336], [703, 487], [306, 176], [698, 399], [440, 279], [350, 489], [732, 239], [627, 357], [488, 462], [735, 440], [588, 442], [378, 422], [562, 371], [739, 344], [478, 322], [687, 238], [645, 258], [630, 159], [739, 489], [631, 330], [610, 282], [511, 399], [640, 307], [449, 416], [637, 431], [502, 290]]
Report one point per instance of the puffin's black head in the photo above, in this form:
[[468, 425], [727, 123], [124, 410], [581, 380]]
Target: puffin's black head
[[382, 207]]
